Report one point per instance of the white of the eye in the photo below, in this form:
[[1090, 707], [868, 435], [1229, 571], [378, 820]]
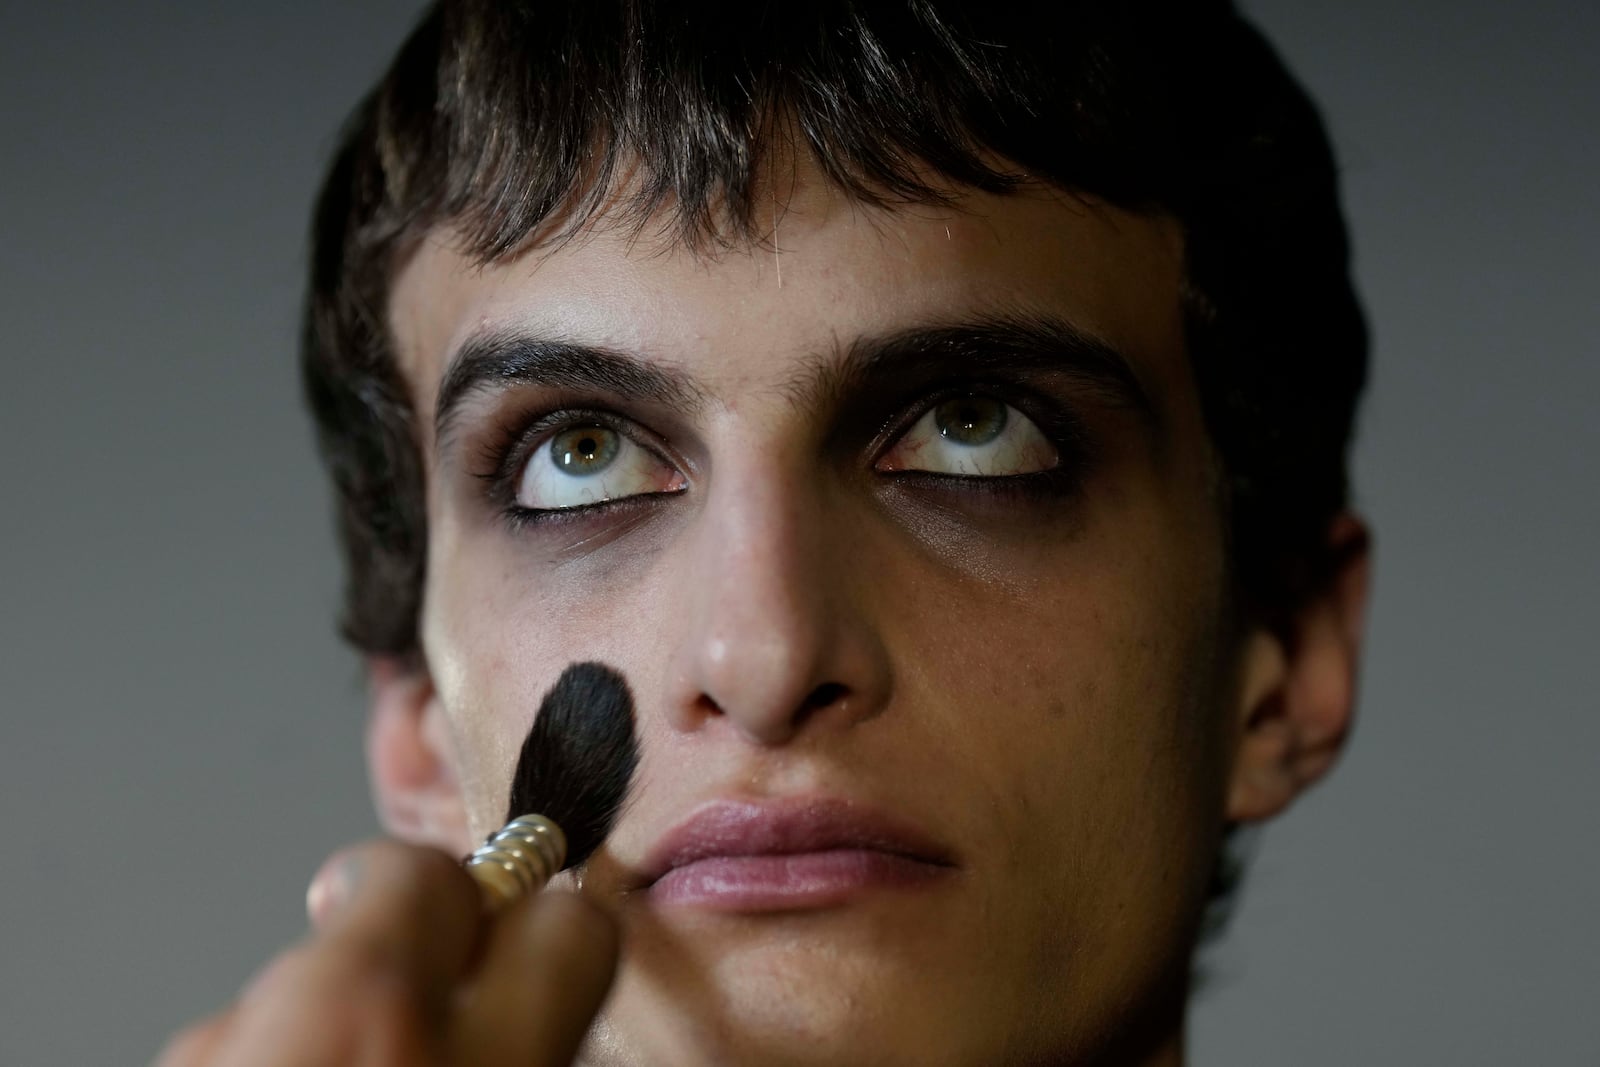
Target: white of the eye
[[546, 487], [1020, 448]]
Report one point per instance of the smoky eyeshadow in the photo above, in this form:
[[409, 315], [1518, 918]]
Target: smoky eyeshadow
[[865, 414]]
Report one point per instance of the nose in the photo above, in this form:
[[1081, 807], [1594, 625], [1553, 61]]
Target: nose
[[776, 634]]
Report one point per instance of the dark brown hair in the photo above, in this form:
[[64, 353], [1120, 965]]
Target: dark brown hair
[[513, 122]]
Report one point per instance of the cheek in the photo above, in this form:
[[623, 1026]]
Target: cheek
[[499, 627], [1085, 692], [1100, 681]]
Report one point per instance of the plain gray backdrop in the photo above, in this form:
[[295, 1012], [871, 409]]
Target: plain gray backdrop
[[181, 737]]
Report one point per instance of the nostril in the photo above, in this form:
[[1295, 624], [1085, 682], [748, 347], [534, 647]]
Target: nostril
[[768, 720], [823, 695]]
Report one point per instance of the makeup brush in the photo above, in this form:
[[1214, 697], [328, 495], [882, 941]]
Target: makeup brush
[[568, 788]]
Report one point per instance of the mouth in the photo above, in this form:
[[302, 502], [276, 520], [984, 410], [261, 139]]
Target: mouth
[[785, 855]]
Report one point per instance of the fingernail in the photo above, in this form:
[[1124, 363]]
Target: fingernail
[[334, 885]]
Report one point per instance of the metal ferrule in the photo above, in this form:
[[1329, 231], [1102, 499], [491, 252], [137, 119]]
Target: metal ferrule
[[518, 859]]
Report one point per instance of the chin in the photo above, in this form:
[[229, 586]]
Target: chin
[[804, 990], [791, 1024]]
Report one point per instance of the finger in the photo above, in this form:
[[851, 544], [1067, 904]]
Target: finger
[[374, 982], [545, 972], [404, 909], [197, 1045], [329, 889]]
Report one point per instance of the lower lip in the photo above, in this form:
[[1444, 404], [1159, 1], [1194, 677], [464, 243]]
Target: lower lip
[[789, 882]]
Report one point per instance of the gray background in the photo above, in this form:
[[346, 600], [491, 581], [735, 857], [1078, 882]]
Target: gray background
[[181, 737]]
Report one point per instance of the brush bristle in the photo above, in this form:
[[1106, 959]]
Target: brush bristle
[[579, 757]]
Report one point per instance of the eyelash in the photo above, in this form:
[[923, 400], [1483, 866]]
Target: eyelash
[[506, 454]]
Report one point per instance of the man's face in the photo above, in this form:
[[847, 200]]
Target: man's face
[[911, 553]]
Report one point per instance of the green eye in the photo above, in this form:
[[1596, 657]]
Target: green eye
[[973, 436], [584, 450], [970, 420], [588, 463]]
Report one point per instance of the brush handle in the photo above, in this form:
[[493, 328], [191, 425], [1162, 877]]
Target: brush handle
[[517, 860]]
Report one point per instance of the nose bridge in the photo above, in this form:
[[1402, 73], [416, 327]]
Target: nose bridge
[[771, 638]]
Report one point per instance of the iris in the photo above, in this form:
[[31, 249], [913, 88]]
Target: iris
[[584, 450], [970, 420]]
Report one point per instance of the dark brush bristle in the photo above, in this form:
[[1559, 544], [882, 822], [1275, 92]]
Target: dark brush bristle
[[579, 757]]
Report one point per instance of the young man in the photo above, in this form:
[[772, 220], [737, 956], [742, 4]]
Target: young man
[[938, 413]]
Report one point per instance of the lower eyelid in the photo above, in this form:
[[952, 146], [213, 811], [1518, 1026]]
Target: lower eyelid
[[556, 517], [1057, 478]]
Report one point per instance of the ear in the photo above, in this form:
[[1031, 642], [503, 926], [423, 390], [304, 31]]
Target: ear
[[411, 758], [1297, 700]]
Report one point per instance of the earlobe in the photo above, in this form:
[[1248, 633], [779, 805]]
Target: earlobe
[[411, 759], [1297, 698]]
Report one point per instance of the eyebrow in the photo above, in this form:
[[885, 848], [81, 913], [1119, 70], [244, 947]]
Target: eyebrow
[[493, 362], [1032, 343], [1009, 344]]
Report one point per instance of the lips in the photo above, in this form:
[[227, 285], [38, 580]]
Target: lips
[[788, 854]]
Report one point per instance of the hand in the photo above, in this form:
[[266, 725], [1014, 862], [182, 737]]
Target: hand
[[401, 970]]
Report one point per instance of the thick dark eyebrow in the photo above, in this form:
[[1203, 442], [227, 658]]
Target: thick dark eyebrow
[[501, 360], [1008, 345], [1015, 344]]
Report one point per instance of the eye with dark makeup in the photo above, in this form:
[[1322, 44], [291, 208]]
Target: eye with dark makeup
[[993, 443], [971, 435], [571, 464]]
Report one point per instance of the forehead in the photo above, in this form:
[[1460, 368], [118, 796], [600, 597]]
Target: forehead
[[828, 271]]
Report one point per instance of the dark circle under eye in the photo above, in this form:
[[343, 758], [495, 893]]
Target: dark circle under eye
[[970, 420], [584, 450]]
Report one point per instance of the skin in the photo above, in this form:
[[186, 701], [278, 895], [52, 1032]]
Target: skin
[[1055, 688]]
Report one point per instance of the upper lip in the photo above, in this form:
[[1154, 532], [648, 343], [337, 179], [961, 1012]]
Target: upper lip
[[774, 827]]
